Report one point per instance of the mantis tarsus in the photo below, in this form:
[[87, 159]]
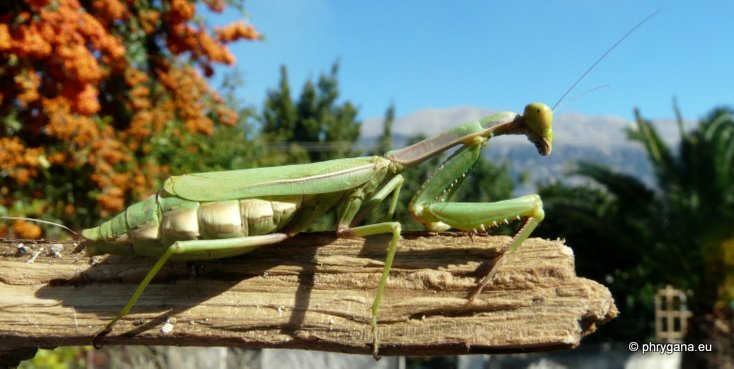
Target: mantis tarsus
[[221, 214]]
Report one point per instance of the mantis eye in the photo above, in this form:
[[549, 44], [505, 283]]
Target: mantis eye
[[538, 116]]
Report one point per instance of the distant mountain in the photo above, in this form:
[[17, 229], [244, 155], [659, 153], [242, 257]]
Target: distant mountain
[[577, 137]]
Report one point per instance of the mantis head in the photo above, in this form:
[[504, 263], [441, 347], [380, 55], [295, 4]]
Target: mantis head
[[538, 119]]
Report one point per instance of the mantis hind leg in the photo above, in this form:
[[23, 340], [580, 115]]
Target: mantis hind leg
[[183, 247]]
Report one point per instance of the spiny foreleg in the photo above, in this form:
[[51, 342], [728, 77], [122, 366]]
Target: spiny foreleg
[[431, 208]]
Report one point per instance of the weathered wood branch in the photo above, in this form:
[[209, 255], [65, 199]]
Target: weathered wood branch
[[311, 292]]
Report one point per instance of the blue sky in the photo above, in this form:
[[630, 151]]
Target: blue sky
[[496, 55]]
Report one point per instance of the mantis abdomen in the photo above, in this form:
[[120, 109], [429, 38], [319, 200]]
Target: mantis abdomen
[[150, 226]]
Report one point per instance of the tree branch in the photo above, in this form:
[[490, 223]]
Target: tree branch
[[311, 292]]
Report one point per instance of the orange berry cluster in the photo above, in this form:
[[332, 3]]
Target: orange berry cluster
[[87, 91]]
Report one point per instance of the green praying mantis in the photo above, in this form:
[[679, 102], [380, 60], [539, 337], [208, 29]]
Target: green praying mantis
[[214, 215]]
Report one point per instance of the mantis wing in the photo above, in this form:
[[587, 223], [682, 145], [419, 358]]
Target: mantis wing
[[301, 179]]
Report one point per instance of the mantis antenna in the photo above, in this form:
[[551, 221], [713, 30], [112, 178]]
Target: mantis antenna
[[41, 221], [609, 50], [558, 106]]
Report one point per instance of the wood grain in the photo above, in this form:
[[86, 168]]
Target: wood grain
[[311, 292]]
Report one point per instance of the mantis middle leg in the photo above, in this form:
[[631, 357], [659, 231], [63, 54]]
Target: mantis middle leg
[[351, 213]]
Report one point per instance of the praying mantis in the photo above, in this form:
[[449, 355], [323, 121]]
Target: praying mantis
[[214, 215]]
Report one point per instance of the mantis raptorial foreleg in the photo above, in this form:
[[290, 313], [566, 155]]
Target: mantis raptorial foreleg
[[430, 207], [529, 208], [217, 249]]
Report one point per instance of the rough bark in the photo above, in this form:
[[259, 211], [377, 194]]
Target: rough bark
[[310, 292]]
